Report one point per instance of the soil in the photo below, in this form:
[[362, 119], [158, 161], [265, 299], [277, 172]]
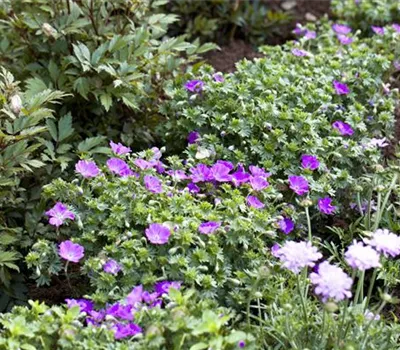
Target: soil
[[224, 60]]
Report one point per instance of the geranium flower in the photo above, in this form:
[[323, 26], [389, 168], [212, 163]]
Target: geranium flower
[[220, 172], [378, 30], [258, 183], [119, 167], [58, 214], [254, 202], [218, 77], [325, 205], [112, 267], [122, 330], [341, 28], [396, 27], [153, 184], [201, 173], [87, 168], [119, 148], [343, 128], [209, 227], [300, 52], [298, 184], [193, 137], [286, 225], [71, 251], [163, 287], [85, 305], [341, 88], [194, 85], [309, 162], [158, 234], [345, 40]]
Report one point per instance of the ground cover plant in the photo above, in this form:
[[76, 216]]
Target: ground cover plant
[[268, 219]]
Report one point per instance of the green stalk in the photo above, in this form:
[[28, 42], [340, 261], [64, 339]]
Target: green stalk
[[371, 287], [309, 225], [359, 286], [303, 304], [364, 343]]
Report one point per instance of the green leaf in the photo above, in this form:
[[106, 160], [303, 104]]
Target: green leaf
[[106, 101], [52, 129], [90, 143], [81, 85], [199, 346], [65, 128]]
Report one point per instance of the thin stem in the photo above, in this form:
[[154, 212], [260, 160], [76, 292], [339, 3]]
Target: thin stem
[[359, 286], [309, 225], [303, 304], [359, 203], [249, 300], [369, 324], [323, 326], [66, 275], [68, 7], [385, 200], [371, 287]]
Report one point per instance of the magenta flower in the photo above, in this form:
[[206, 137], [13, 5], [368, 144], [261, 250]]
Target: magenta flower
[[361, 257], [220, 172], [256, 171], [258, 183], [85, 305], [378, 30], [163, 287], [297, 255], [158, 234], [240, 177], [325, 205], [341, 29], [112, 267], [309, 162], [254, 202], [298, 184], [218, 77], [209, 227], [331, 282], [193, 188], [385, 242], [310, 34], [119, 148], [58, 214], [153, 184], [119, 167], [201, 173], [341, 88], [122, 330], [143, 164], [87, 168], [193, 137], [343, 128], [135, 297], [194, 85], [286, 225], [345, 40], [71, 251], [300, 53], [275, 249], [396, 27], [177, 175], [118, 310]]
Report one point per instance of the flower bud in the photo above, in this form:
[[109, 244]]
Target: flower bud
[[263, 271], [258, 295], [16, 104], [48, 30], [306, 202], [386, 297], [331, 307]]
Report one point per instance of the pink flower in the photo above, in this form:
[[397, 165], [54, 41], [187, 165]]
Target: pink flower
[[286, 225], [153, 184], [209, 227], [58, 214], [343, 128], [158, 234], [325, 205], [87, 168], [119, 148], [341, 88], [258, 183], [298, 184], [71, 251], [119, 167], [254, 202], [378, 30]]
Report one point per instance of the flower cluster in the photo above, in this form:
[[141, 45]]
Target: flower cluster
[[119, 316], [342, 31]]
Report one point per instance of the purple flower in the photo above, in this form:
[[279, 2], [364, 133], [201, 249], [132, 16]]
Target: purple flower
[[85, 305], [220, 172], [163, 287], [119, 148], [309, 162], [193, 137], [371, 316], [218, 77], [201, 173], [142, 164], [385, 242], [241, 344], [297, 255], [396, 27], [95, 317], [325, 205], [256, 171], [331, 282], [310, 34], [156, 153], [299, 30], [378, 30], [149, 298], [299, 52], [209, 227], [345, 40], [119, 167], [87, 168], [341, 88], [58, 214], [298, 184], [240, 177], [361, 257], [286, 225], [275, 249], [153, 184], [158, 234], [124, 312], [258, 183], [111, 266], [71, 251], [254, 202], [193, 188], [135, 297], [122, 330], [343, 128], [341, 28], [194, 85], [177, 175]]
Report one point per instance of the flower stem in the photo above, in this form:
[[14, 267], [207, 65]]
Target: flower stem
[[303, 304], [66, 275], [364, 343], [309, 225], [371, 287], [359, 287]]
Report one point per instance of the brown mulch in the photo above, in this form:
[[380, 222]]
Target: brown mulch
[[224, 60]]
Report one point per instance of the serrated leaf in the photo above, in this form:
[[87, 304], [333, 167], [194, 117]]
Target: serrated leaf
[[106, 101], [65, 128], [52, 129], [90, 143]]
